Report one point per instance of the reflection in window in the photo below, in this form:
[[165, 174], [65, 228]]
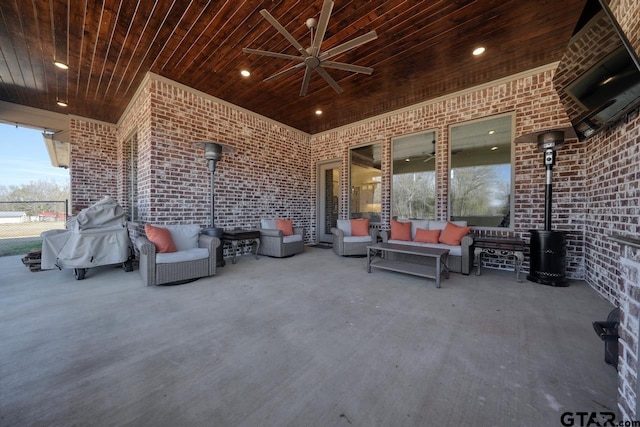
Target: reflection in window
[[131, 177], [365, 198], [413, 192], [480, 182], [331, 180]]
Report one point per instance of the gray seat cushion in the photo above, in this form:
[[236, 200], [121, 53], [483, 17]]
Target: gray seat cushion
[[181, 256]]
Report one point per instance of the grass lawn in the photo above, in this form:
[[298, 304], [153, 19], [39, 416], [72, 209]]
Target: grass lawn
[[18, 239]]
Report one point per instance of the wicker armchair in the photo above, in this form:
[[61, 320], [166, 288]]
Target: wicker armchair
[[195, 257], [344, 244], [274, 243]]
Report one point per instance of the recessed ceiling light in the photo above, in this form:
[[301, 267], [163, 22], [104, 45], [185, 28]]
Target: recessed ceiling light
[[318, 112], [62, 103], [478, 51], [61, 65], [407, 160], [494, 148], [491, 132], [245, 73]]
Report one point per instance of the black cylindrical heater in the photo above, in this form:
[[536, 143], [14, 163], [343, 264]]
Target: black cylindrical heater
[[548, 259], [547, 248]]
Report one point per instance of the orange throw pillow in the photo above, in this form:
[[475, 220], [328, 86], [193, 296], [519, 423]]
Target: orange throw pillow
[[453, 234], [285, 225], [161, 237], [360, 227], [426, 236], [400, 230]]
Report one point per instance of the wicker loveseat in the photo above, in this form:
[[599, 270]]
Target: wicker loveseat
[[195, 256], [460, 258]]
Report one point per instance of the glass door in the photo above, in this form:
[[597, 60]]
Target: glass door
[[328, 199]]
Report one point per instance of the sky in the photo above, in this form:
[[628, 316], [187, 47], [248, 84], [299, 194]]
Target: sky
[[24, 158]]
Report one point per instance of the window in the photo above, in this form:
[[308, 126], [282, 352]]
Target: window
[[131, 177], [365, 175], [413, 192], [480, 185]]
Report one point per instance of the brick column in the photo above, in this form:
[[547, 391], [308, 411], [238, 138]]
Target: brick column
[[629, 330]]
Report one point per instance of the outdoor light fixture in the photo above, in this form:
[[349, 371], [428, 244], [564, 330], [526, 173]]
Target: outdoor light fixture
[[213, 153]]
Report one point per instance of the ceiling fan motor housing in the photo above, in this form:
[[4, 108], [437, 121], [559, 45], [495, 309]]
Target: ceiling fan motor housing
[[311, 23]]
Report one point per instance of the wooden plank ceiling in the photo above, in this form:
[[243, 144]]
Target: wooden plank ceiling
[[423, 50]]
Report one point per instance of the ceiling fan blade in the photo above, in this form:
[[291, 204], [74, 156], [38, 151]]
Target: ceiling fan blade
[[265, 13], [325, 14], [305, 82], [287, 71], [273, 54], [347, 67], [329, 79], [365, 38]]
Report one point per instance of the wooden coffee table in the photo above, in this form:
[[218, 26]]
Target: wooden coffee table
[[377, 258]]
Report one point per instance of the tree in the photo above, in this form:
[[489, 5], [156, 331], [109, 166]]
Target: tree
[[473, 190], [414, 195], [35, 191]]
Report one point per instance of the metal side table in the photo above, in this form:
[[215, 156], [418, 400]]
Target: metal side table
[[236, 236], [510, 247]]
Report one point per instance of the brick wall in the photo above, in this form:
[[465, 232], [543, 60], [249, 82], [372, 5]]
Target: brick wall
[[536, 106], [613, 207], [94, 157], [266, 175], [628, 330], [612, 200], [136, 122], [627, 13]]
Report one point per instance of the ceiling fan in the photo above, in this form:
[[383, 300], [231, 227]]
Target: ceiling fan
[[432, 154], [312, 58]]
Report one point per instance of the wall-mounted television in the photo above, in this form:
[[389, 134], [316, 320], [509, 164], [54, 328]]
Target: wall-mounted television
[[598, 78]]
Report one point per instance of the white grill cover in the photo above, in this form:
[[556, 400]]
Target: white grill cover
[[98, 236]]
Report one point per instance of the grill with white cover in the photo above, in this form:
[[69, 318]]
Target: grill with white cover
[[96, 236]]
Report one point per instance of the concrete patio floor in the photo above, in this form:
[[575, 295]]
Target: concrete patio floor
[[311, 340]]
